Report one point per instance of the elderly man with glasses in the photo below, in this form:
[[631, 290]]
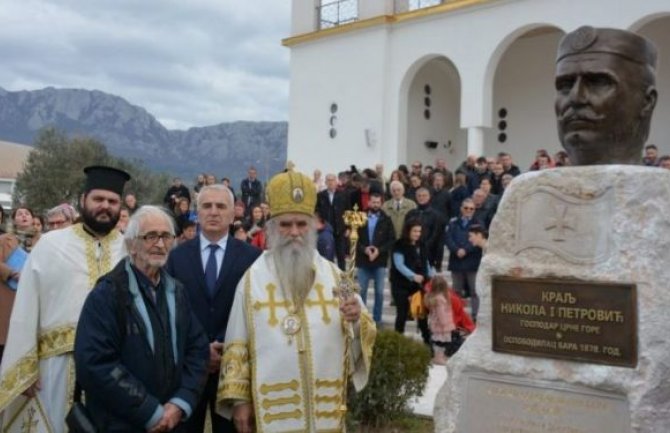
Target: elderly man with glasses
[[61, 216], [464, 258], [140, 353]]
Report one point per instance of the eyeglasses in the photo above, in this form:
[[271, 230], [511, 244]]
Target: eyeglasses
[[56, 223], [468, 208], [153, 237]]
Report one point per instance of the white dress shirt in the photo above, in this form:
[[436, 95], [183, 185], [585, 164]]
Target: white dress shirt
[[205, 251]]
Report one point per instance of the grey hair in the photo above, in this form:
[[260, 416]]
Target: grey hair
[[133, 229], [216, 187], [396, 183], [66, 210]]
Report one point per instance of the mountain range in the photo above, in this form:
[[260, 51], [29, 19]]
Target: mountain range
[[226, 149]]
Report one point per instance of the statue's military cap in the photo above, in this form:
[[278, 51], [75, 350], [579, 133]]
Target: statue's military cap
[[590, 40]]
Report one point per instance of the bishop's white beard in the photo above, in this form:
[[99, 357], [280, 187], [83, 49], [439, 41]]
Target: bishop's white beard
[[293, 259]]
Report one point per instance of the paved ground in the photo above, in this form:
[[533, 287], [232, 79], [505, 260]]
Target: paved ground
[[424, 404]]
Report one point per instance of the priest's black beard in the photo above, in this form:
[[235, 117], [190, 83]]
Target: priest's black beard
[[100, 227]]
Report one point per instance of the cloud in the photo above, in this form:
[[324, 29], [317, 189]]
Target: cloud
[[189, 63]]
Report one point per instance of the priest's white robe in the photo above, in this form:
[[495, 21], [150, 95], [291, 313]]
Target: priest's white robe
[[58, 275], [296, 383]]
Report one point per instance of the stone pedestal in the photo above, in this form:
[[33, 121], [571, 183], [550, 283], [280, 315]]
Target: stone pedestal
[[598, 224]]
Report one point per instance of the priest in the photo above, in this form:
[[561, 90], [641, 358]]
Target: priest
[[37, 373], [293, 339]]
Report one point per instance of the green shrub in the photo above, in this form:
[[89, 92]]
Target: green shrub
[[399, 373]]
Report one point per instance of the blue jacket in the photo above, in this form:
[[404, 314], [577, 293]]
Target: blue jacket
[[115, 364], [456, 238], [185, 264], [325, 242]]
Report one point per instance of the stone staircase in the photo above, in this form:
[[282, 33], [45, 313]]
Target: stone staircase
[[389, 311]]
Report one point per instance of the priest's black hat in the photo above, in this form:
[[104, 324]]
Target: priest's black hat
[[107, 178]]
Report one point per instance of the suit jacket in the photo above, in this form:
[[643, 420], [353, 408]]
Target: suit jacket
[[252, 192], [383, 238], [456, 238], [432, 231], [185, 264], [398, 216], [333, 213]]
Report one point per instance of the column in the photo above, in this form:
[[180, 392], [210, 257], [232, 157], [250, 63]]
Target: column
[[304, 16], [476, 141]]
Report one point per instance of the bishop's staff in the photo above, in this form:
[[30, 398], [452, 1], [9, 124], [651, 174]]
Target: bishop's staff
[[348, 287]]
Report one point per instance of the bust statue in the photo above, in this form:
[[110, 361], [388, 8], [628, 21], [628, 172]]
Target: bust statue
[[605, 95]]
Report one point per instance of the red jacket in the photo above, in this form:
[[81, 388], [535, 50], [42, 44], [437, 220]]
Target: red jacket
[[462, 319]]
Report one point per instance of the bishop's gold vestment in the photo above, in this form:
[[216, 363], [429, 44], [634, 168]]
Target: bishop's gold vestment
[[292, 366]]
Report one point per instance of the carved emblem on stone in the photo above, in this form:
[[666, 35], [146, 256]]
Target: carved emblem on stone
[[574, 228]]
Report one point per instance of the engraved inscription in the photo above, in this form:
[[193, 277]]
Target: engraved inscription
[[524, 406], [579, 321]]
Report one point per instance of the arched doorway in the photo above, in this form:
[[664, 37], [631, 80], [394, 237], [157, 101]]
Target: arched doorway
[[433, 114], [658, 31], [523, 97]]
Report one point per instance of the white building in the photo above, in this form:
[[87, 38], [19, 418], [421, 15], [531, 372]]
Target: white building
[[12, 158], [394, 81]]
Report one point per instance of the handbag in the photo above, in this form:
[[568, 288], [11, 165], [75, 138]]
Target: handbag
[[78, 419], [417, 309]]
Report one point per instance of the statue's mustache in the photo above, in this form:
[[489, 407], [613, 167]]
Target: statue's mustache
[[581, 114]]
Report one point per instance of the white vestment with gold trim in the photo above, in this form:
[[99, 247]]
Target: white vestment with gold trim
[[58, 275], [296, 382]]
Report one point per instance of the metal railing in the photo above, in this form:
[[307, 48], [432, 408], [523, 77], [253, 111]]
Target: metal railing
[[412, 5], [336, 13]]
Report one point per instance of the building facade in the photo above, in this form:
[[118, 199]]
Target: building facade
[[394, 81]]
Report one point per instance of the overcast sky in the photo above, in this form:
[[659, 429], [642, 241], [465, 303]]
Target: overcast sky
[[188, 62]]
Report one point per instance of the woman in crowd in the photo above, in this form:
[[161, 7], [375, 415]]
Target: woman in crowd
[[410, 270], [9, 277], [130, 201], [183, 213], [124, 219], [22, 223], [256, 234]]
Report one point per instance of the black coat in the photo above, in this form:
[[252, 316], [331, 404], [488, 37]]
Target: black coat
[[185, 264], [383, 238], [457, 238], [415, 258], [441, 202], [333, 213], [432, 231], [115, 364], [252, 193]]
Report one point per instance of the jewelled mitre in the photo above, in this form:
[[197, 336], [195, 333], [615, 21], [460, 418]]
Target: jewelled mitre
[[291, 192]]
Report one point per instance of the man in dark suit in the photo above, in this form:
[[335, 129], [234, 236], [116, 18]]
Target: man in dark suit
[[252, 190], [331, 204], [375, 241], [464, 258], [210, 266]]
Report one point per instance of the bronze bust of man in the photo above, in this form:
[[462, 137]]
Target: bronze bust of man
[[605, 95]]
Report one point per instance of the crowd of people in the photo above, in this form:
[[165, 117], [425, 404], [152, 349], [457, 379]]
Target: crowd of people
[[156, 328], [148, 262]]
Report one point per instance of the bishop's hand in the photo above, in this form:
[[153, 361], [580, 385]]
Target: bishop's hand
[[350, 308]]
